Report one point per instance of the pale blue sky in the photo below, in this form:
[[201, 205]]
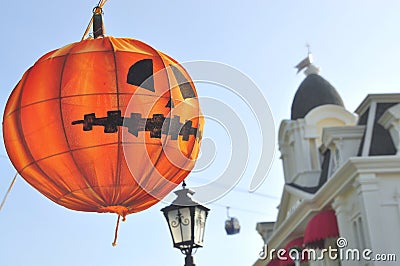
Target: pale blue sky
[[356, 44]]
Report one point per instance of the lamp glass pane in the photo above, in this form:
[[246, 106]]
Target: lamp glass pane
[[200, 222], [180, 225]]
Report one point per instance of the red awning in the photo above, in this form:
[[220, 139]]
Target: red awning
[[296, 243], [274, 262], [322, 226]]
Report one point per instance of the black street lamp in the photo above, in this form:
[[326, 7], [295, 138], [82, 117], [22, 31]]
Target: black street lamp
[[186, 220]]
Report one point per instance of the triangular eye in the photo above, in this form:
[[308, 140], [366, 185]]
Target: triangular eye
[[170, 104], [141, 74], [184, 85]]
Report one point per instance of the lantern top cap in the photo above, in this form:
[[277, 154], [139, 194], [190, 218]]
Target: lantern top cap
[[184, 197]]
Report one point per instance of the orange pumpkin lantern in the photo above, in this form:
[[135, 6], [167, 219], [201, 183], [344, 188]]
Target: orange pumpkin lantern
[[83, 119]]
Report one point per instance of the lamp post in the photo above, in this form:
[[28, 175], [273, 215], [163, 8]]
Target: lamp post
[[186, 220], [295, 254]]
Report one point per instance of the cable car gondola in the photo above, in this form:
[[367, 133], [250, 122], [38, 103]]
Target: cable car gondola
[[232, 226]]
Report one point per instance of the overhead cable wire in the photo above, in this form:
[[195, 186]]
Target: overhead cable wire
[[242, 190], [239, 209]]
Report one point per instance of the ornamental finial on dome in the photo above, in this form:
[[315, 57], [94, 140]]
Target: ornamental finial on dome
[[314, 91], [307, 64]]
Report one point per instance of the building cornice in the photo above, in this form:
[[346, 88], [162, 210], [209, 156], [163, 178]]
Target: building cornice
[[299, 193], [387, 98], [348, 132]]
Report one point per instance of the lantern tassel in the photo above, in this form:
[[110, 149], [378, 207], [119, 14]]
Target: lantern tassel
[[116, 231]]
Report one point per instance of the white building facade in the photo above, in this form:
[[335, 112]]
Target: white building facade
[[342, 181]]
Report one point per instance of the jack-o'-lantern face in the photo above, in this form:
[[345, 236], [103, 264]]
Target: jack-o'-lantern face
[[104, 125]]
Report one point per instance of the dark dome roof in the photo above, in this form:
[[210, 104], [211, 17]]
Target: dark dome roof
[[313, 91]]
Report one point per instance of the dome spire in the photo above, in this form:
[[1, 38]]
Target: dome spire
[[307, 63], [314, 91]]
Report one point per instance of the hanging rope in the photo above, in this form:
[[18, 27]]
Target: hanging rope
[[99, 5], [8, 191]]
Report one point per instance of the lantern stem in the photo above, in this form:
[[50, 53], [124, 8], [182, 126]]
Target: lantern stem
[[189, 260], [99, 6], [98, 25]]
